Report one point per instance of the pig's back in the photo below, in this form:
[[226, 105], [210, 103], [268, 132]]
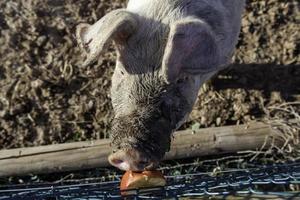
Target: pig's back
[[161, 9], [224, 16]]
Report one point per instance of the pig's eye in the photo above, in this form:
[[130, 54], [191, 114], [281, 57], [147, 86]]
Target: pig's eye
[[166, 110], [122, 72], [182, 80], [156, 116]]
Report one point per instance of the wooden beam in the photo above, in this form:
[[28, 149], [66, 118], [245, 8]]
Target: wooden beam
[[92, 154]]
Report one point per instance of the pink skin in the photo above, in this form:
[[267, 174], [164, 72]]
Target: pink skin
[[131, 160]]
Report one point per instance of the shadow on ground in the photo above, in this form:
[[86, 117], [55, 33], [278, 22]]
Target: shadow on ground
[[264, 77]]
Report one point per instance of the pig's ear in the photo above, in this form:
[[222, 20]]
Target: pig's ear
[[117, 25], [191, 49]]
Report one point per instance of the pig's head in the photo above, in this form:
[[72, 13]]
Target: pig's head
[[159, 70]]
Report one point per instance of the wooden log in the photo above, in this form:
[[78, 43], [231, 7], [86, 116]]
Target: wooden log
[[92, 154]]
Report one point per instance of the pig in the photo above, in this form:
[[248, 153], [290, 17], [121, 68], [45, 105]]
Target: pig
[[166, 49]]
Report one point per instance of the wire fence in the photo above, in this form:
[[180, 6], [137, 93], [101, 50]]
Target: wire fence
[[281, 181]]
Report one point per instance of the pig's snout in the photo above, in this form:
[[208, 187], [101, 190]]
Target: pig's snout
[[131, 160]]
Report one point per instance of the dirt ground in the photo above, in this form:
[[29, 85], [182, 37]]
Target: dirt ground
[[47, 97]]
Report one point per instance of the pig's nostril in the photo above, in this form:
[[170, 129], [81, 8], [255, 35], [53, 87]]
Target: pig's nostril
[[121, 164], [143, 164], [117, 161]]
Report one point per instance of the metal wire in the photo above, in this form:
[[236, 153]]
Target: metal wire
[[265, 181]]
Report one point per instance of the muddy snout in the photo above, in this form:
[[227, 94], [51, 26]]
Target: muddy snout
[[132, 160]]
